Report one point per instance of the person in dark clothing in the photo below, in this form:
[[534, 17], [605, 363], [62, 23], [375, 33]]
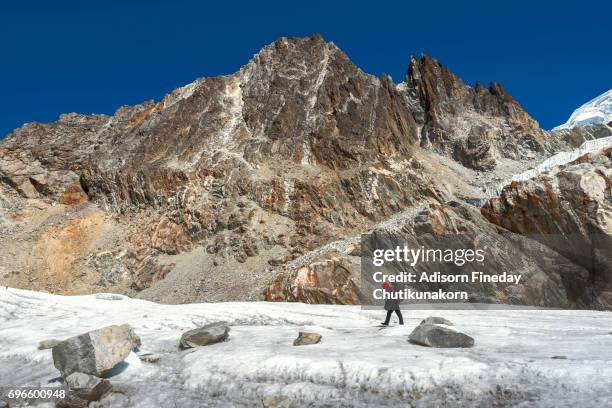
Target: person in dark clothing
[[392, 305]]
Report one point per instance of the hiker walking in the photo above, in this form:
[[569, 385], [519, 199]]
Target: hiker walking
[[392, 305]]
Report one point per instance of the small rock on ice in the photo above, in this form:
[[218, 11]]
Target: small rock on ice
[[304, 339], [204, 336]]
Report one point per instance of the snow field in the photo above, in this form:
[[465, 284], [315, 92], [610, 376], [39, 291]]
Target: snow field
[[356, 364]]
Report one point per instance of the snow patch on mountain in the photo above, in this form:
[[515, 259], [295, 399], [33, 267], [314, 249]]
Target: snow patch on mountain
[[596, 111], [556, 160]]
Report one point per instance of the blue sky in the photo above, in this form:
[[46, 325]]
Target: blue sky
[[94, 56]]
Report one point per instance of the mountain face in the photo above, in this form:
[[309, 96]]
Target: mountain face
[[243, 186], [597, 111]]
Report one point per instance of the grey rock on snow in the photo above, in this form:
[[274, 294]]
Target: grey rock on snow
[[204, 336], [95, 352], [433, 335], [436, 320], [47, 344]]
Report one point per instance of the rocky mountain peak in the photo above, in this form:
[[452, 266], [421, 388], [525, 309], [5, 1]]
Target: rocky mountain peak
[[437, 88], [286, 149], [297, 149]]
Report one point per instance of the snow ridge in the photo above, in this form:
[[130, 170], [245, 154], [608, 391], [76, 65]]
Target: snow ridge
[[596, 111]]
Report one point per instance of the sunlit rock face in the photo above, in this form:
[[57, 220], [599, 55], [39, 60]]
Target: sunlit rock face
[[330, 281]]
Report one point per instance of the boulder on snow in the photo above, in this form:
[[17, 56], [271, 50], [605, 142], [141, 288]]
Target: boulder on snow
[[433, 335], [437, 320], [204, 336], [95, 352], [88, 387], [305, 339], [47, 344]]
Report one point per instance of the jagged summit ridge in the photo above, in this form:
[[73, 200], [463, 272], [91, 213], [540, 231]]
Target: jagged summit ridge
[[300, 107], [280, 103]]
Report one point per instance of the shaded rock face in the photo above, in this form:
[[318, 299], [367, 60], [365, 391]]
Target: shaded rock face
[[434, 335], [204, 336], [435, 225], [570, 210], [95, 352]]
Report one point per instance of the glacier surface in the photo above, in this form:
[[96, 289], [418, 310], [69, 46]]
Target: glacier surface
[[356, 364]]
